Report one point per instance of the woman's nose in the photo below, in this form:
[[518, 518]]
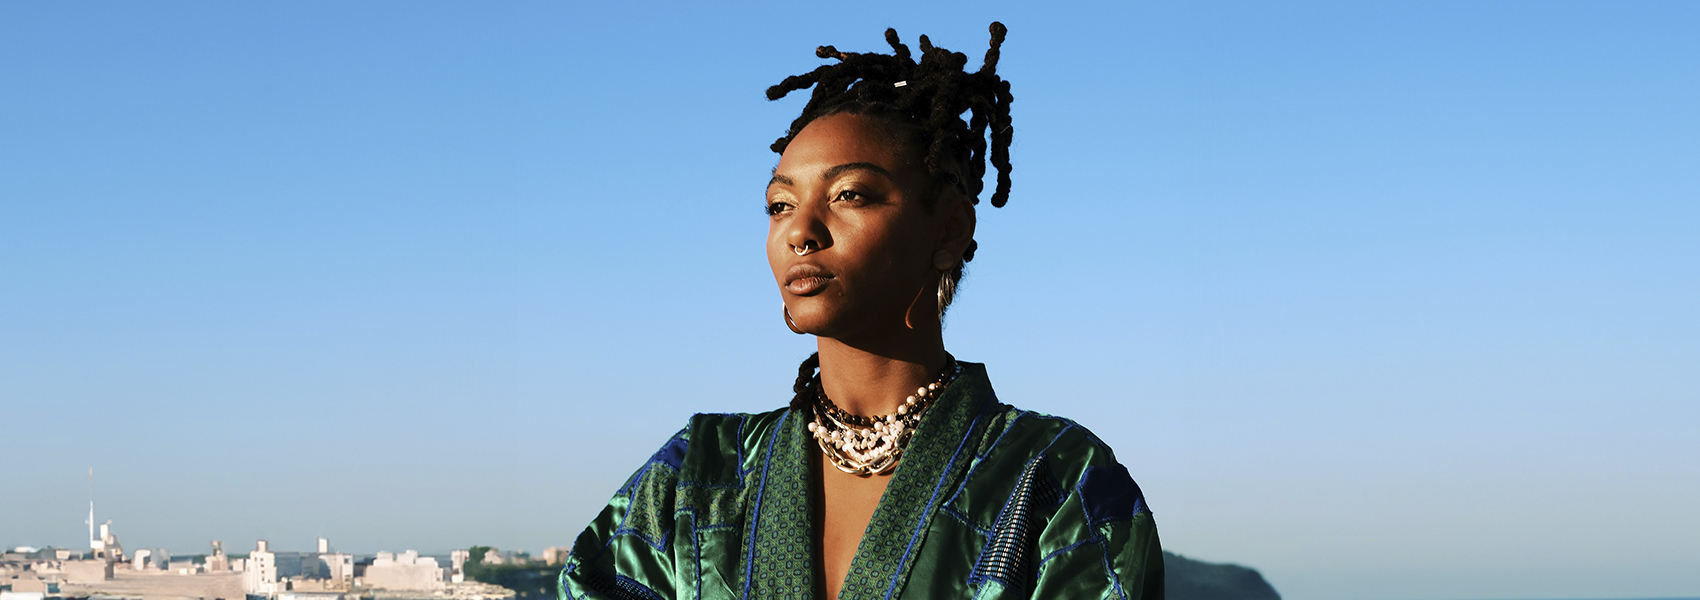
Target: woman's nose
[[808, 232]]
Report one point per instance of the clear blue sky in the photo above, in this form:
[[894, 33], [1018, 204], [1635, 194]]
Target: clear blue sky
[[1390, 301]]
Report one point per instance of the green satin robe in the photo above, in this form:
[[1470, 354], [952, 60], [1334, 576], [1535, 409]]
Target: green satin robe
[[988, 502]]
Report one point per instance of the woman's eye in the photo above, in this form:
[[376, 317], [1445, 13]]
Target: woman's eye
[[850, 195], [774, 208]]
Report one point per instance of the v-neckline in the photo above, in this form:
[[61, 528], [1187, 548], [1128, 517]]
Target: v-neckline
[[786, 558]]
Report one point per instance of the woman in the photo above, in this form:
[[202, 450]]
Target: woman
[[895, 472]]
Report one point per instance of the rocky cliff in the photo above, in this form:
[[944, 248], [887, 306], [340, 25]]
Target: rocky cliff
[[1188, 579]]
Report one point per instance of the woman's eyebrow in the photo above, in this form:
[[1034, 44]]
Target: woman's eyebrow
[[834, 172]]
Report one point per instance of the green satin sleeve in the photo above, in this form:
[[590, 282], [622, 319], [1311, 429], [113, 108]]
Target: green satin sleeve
[[1102, 541], [1119, 559], [677, 528], [623, 554], [1059, 518]]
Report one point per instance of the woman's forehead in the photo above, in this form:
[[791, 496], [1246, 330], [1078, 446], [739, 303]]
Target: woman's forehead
[[840, 139]]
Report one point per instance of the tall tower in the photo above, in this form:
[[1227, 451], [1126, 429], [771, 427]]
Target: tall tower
[[94, 542]]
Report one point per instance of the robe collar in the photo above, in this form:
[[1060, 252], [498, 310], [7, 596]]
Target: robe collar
[[780, 556]]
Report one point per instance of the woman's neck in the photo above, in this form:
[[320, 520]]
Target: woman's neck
[[869, 380]]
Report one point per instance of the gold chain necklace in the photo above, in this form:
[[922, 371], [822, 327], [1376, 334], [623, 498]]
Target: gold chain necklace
[[873, 445]]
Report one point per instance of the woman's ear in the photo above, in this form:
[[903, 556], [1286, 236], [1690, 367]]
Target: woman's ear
[[957, 230]]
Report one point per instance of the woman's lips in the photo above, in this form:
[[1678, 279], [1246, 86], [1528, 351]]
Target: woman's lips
[[807, 285], [806, 280]]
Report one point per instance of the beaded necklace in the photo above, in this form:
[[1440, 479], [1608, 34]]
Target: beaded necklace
[[872, 445]]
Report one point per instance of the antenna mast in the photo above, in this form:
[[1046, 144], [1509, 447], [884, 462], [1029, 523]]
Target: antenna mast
[[92, 545]]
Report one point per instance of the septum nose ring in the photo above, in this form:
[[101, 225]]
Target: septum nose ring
[[806, 248]]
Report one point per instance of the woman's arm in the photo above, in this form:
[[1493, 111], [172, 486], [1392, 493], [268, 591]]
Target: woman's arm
[[1102, 542], [1075, 525], [624, 554]]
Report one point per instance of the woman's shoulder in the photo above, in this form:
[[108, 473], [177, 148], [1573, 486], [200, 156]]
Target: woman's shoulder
[[1069, 453], [1013, 430], [722, 446], [735, 429]]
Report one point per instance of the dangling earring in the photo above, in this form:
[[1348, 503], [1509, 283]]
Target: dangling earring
[[907, 322], [947, 292], [950, 267], [788, 322]]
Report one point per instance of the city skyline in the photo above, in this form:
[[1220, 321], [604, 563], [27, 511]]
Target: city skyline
[[108, 570]]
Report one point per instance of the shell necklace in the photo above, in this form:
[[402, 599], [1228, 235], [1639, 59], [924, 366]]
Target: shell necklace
[[873, 445]]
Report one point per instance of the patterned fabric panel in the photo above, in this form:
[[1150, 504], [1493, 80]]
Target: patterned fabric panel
[[650, 514], [780, 552], [715, 507], [712, 479], [619, 587], [1004, 558]]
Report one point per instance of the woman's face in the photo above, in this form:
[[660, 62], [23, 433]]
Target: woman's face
[[853, 200]]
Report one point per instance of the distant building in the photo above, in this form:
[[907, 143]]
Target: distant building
[[505, 557], [154, 559], [106, 547], [299, 565], [217, 562], [457, 565], [271, 572], [338, 568], [14, 594], [556, 555], [26, 583], [262, 576], [404, 572], [85, 571], [144, 559]]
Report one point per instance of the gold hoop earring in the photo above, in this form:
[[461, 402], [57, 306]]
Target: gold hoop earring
[[786, 310], [947, 292], [911, 310]]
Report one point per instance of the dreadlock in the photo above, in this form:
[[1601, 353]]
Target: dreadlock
[[928, 96], [804, 397], [926, 99]]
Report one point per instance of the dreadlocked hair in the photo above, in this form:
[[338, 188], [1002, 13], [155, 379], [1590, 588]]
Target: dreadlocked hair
[[926, 97], [804, 400]]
